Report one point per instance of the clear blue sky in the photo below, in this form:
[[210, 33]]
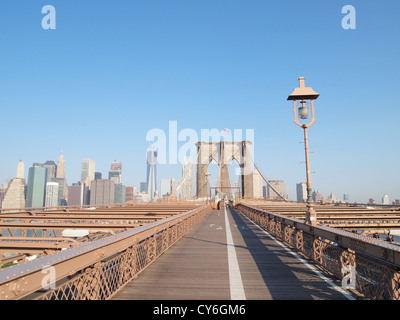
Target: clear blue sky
[[113, 70]]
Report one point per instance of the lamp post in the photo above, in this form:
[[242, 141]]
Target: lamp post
[[302, 98]]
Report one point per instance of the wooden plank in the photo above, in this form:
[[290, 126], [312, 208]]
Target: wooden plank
[[196, 268]]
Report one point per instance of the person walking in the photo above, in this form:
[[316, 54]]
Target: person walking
[[218, 206]]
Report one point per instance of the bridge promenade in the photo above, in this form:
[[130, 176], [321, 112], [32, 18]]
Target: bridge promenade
[[188, 251], [226, 256]]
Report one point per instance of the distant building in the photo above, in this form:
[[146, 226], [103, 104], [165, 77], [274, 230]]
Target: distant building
[[346, 197], [78, 194], [14, 192], [88, 167], [97, 175], [60, 171], [51, 194], [257, 185], [165, 187], [186, 188], [151, 174], [36, 186], [301, 192], [279, 186], [173, 187], [142, 197], [130, 193], [385, 199], [62, 190], [14, 196], [119, 194], [143, 187], [20, 170], [317, 196], [332, 198], [102, 192], [115, 172], [51, 169]]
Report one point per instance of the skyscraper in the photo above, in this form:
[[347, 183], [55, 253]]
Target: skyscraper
[[165, 187], [20, 170], [151, 174], [60, 172], [102, 192], [130, 193], [51, 199], [186, 189], [51, 169], [115, 172], [143, 187], [301, 192], [36, 186], [14, 195], [385, 199], [87, 171], [279, 186], [257, 185], [119, 194], [78, 194]]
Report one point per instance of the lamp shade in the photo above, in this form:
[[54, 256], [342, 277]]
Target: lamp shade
[[303, 92]]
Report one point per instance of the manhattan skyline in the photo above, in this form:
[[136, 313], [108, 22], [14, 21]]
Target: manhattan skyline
[[111, 72]]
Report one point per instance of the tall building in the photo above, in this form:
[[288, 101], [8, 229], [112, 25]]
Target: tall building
[[143, 187], [317, 196], [151, 174], [165, 187], [119, 194], [51, 199], [130, 193], [102, 192], [51, 169], [346, 197], [20, 170], [36, 186], [97, 175], [14, 196], [279, 186], [331, 198], [60, 172], [87, 171], [301, 192], [62, 190], [186, 189], [78, 194], [257, 185], [14, 191], [115, 172], [385, 199]]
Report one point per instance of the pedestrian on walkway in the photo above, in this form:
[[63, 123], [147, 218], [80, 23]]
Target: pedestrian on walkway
[[218, 206]]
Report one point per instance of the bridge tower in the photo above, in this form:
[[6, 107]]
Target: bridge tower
[[223, 152]]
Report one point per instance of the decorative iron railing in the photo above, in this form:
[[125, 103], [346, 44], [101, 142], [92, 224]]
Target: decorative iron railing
[[362, 263], [97, 269]]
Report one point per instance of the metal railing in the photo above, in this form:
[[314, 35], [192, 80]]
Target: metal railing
[[364, 264], [98, 269]]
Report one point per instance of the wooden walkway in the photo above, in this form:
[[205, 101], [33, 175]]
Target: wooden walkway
[[227, 257]]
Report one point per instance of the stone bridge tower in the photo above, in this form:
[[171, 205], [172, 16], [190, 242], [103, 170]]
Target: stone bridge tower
[[223, 152]]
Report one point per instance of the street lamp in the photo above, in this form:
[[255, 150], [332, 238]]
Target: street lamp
[[302, 98]]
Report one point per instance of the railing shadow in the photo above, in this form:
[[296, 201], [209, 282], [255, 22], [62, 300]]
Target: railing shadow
[[284, 282]]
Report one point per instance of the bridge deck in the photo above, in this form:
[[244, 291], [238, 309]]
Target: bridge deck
[[237, 260]]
